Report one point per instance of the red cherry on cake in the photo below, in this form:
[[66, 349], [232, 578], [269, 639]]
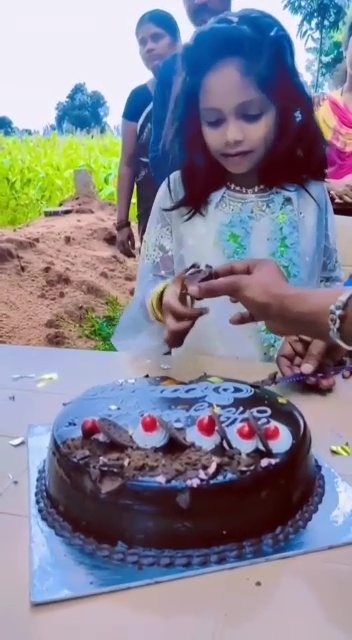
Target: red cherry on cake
[[89, 428], [149, 424], [272, 432], [206, 426], [246, 431]]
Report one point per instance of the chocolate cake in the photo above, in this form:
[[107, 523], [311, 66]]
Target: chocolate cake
[[200, 469]]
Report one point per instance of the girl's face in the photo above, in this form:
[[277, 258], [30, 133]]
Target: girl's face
[[155, 45], [238, 121]]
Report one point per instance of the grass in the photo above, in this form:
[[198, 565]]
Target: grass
[[36, 172], [100, 329]]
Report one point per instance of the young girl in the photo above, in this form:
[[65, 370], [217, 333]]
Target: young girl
[[252, 186]]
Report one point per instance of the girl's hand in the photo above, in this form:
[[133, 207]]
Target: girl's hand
[[299, 354], [179, 317]]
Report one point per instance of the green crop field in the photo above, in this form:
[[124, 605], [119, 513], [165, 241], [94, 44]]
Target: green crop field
[[37, 172]]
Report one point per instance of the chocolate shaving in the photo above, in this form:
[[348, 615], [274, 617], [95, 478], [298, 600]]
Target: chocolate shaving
[[212, 470], [111, 467], [114, 432], [246, 463], [184, 499], [260, 435], [268, 462], [81, 456], [94, 474]]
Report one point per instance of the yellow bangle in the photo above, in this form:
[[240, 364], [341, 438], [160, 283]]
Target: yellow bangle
[[156, 303]]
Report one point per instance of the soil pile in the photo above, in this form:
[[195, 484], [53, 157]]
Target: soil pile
[[54, 270]]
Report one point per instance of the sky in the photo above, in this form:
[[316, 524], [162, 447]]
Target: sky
[[45, 51]]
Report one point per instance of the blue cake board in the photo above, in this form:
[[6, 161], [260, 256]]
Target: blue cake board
[[61, 572]]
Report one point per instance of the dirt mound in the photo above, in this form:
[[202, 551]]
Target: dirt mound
[[54, 270]]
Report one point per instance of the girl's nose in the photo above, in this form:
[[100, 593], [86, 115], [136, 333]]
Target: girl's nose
[[234, 133]]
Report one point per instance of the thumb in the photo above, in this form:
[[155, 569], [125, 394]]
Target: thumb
[[313, 357]]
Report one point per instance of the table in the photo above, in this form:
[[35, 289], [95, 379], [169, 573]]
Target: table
[[342, 209], [286, 599]]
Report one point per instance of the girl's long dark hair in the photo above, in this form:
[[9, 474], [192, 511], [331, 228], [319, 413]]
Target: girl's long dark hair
[[266, 51]]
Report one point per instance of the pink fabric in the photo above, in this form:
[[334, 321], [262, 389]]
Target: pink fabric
[[339, 153]]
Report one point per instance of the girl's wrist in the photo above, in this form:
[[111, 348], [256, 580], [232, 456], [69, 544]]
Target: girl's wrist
[[156, 303]]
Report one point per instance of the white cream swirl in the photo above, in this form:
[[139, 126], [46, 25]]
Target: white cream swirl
[[194, 436]]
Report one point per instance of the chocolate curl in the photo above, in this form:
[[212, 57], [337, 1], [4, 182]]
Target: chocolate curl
[[221, 430], [174, 434], [115, 433], [260, 435]]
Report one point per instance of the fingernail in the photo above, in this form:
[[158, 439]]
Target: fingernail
[[307, 369]]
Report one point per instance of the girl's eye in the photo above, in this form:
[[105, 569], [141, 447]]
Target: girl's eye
[[252, 117], [214, 124]]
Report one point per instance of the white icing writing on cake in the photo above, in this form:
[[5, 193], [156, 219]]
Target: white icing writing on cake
[[230, 416], [218, 394]]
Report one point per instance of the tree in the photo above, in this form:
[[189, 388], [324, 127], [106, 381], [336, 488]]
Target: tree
[[82, 110], [320, 22], [7, 128], [330, 63]]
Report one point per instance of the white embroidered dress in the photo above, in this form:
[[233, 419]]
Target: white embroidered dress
[[294, 227]]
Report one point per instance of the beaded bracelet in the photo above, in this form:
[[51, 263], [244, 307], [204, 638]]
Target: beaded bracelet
[[336, 313]]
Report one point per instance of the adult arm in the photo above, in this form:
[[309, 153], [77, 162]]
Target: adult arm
[[127, 168], [306, 312], [260, 286]]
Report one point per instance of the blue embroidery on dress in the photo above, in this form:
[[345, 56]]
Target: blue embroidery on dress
[[234, 237]]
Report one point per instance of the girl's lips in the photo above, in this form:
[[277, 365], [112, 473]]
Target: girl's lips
[[238, 154]]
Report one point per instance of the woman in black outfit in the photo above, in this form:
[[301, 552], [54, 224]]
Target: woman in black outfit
[[158, 37]]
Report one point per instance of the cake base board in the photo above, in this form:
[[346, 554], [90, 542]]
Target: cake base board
[[59, 571]]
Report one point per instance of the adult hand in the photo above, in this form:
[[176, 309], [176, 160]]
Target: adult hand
[[299, 354], [340, 190], [125, 242], [259, 285], [178, 316]]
